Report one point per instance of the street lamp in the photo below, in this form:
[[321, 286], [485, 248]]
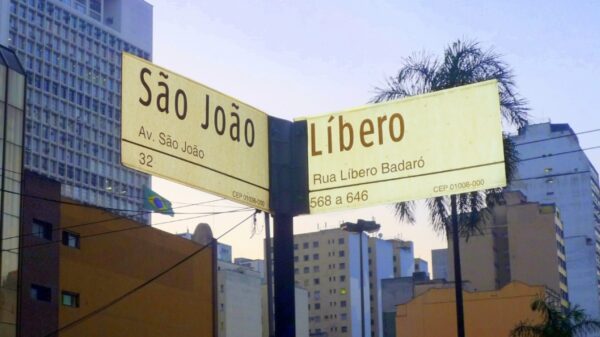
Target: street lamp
[[359, 227]]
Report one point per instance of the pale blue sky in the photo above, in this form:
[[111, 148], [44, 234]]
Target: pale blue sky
[[297, 58]]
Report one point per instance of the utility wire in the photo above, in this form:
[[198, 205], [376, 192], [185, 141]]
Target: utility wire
[[559, 153], [116, 217], [557, 137], [140, 226], [94, 206], [144, 284]]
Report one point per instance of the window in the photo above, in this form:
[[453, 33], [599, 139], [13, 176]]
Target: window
[[342, 265], [342, 278], [41, 229], [342, 303], [344, 317], [295, 246], [315, 244], [306, 270], [315, 256], [316, 281], [344, 329], [305, 257], [70, 239], [341, 241], [40, 293], [70, 299], [341, 253], [317, 306], [316, 269], [305, 245]]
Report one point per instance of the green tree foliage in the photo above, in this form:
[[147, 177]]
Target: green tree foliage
[[556, 322], [463, 62]]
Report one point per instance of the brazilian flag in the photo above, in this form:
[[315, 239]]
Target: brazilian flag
[[154, 202]]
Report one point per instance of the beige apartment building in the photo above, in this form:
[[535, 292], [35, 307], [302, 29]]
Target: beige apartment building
[[327, 264], [523, 242]]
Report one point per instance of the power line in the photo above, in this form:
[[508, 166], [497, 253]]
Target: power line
[[116, 217], [560, 153], [78, 204], [551, 175], [557, 137], [149, 281], [11, 250]]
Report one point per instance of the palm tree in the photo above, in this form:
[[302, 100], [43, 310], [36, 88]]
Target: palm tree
[[463, 63], [570, 322]]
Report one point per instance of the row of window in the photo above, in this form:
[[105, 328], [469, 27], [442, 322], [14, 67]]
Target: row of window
[[87, 186], [42, 293], [42, 14], [43, 230], [332, 304]]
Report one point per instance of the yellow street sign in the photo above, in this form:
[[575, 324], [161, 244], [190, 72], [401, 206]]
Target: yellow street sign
[[436, 144], [183, 131]]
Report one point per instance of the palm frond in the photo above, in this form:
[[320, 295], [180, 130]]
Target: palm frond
[[438, 214], [405, 211], [463, 62], [525, 329]]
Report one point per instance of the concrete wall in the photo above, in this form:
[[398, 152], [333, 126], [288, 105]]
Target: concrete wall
[[239, 297], [118, 254], [40, 260], [439, 263], [487, 314]]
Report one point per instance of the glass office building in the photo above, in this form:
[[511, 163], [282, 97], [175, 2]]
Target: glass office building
[[71, 51], [12, 115]]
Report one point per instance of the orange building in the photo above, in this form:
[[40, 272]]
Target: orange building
[[81, 258], [487, 313]]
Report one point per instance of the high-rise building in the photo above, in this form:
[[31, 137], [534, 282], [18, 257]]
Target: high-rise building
[[439, 263], [71, 50], [522, 241], [404, 258], [12, 115], [422, 268], [327, 264], [381, 267], [562, 174]]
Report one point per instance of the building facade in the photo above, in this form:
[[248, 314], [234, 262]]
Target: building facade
[[301, 317], [562, 174], [439, 263], [381, 266], [239, 300], [327, 264], [12, 115], [255, 264], [487, 313], [422, 267], [71, 50], [404, 258], [522, 241], [75, 261]]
